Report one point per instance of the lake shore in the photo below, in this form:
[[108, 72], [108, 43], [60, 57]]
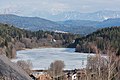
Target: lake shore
[[44, 56]]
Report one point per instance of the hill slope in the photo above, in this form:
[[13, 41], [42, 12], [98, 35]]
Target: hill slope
[[80, 26], [36, 23], [29, 23], [95, 24], [101, 38], [12, 39], [109, 23]]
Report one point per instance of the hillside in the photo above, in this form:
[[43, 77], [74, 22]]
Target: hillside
[[86, 26], [92, 24], [79, 23], [12, 39], [101, 38], [36, 23], [83, 27], [109, 22], [29, 23], [80, 26]]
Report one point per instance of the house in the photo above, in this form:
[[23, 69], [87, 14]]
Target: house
[[44, 77], [74, 76]]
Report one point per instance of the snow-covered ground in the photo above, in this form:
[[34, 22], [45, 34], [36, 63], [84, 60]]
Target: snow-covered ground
[[42, 57]]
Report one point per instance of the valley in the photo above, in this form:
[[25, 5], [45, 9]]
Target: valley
[[78, 47]]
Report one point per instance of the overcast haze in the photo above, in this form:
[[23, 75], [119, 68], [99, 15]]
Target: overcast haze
[[31, 7]]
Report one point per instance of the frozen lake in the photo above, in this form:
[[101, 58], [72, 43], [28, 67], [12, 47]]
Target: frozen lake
[[42, 57]]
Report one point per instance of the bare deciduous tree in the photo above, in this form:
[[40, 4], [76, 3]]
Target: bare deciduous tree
[[56, 70], [102, 67]]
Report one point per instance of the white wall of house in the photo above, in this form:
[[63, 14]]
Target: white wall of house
[[74, 77]]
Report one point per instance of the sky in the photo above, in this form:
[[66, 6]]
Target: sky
[[31, 7]]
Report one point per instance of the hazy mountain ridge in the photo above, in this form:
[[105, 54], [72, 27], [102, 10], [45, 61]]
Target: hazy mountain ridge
[[79, 23], [96, 24], [73, 26], [80, 26], [29, 23], [109, 22], [36, 23]]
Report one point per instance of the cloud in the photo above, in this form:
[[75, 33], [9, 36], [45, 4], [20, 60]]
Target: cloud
[[28, 7], [58, 7]]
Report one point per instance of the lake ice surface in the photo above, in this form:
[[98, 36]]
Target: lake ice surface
[[42, 57]]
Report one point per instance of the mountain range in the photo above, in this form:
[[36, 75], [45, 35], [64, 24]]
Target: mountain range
[[73, 26], [29, 23], [36, 23], [97, 24]]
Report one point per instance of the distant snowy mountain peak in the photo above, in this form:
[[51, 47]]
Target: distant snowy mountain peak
[[73, 15], [108, 14], [105, 18]]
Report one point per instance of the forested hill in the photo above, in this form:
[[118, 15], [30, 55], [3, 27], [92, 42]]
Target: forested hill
[[101, 38], [12, 39], [36, 23]]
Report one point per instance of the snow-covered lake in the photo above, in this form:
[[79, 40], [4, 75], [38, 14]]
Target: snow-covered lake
[[42, 57]]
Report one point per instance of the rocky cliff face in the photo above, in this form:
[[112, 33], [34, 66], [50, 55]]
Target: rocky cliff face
[[10, 71]]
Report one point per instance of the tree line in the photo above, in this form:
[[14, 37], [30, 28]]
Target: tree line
[[102, 37], [12, 38]]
